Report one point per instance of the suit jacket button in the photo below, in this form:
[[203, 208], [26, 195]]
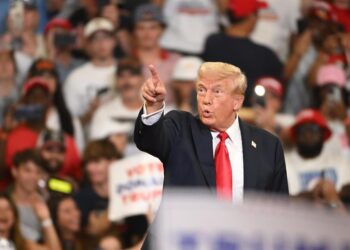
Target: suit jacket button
[[139, 132]]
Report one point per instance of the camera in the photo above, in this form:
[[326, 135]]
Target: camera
[[63, 40]]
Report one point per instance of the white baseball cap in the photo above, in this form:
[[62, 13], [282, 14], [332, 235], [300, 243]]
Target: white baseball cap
[[108, 128], [97, 24], [186, 69]]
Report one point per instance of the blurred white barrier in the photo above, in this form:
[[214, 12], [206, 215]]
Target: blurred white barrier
[[193, 221]]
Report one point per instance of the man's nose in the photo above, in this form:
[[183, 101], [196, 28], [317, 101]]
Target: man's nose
[[207, 98]]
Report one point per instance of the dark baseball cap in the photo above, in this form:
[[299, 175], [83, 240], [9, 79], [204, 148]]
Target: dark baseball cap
[[148, 12], [52, 139]]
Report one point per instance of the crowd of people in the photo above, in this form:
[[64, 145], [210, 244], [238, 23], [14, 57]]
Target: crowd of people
[[71, 73]]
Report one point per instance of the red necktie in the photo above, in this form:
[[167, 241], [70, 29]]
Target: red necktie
[[223, 169]]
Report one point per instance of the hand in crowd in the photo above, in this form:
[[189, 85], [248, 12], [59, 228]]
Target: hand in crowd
[[153, 91], [98, 222], [94, 104], [41, 209], [325, 191]]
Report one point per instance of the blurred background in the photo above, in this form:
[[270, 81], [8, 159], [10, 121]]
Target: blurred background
[[71, 72]]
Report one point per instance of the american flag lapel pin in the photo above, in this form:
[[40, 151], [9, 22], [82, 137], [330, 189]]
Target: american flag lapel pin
[[254, 144]]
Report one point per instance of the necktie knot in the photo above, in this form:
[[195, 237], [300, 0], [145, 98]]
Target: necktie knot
[[223, 136]]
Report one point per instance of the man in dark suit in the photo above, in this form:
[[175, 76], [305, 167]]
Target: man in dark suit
[[215, 150]]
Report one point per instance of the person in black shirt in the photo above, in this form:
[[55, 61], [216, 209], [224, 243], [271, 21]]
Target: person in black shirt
[[235, 47]]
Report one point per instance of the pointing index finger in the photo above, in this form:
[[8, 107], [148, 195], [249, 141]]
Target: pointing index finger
[[155, 76]]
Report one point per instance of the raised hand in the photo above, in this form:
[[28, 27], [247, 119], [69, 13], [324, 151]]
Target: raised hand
[[153, 91]]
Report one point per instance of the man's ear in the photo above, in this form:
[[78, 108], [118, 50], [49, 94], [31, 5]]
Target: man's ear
[[14, 172], [238, 102]]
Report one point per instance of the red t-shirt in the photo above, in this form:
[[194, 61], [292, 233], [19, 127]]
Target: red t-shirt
[[22, 138], [343, 17]]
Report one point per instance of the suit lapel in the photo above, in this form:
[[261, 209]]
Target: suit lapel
[[202, 140], [250, 157]]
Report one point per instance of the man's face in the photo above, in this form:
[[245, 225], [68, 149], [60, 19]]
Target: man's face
[[31, 19], [309, 140], [54, 155], [98, 171], [27, 175], [129, 85], [217, 102], [147, 34], [38, 95], [101, 45]]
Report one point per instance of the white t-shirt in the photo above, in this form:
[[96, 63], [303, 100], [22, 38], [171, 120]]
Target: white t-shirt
[[114, 117], [276, 24], [303, 174], [83, 84], [189, 22]]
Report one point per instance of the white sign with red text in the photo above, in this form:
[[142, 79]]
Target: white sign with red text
[[135, 185]]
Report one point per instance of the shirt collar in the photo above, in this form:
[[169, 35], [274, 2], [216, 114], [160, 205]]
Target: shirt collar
[[233, 131]]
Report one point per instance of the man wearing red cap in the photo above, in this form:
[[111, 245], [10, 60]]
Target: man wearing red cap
[[310, 161], [60, 41], [235, 47]]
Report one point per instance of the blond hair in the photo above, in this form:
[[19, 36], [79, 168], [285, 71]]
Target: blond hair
[[220, 70]]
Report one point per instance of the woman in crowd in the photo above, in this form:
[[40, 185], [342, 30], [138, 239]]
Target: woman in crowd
[[9, 227], [66, 217]]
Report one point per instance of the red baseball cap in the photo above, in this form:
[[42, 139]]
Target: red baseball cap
[[311, 116], [243, 8], [35, 82], [58, 23], [271, 84], [322, 10]]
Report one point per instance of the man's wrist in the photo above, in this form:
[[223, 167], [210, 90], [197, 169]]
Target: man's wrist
[[153, 107]]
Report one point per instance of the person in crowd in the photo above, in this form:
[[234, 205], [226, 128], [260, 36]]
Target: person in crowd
[[277, 25], [318, 43], [8, 87], [10, 229], [332, 101], [111, 10], [58, 117], [234, 46], [267, 101], [60, 41], [53, 147], [34, 217], [183, 83], [148, 29], [309, 161], [183, 19], [66, 217], [86, 87], [124, 108], [110, 241], [31, 114], [97, 157], [30, 42]]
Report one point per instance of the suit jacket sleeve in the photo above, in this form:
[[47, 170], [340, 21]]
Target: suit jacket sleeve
[[158, 138], [279, 183]]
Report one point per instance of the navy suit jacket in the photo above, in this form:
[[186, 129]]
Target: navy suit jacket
[[184, 145]]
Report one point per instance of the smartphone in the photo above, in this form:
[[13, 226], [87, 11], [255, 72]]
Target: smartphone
[[59, 186], [64, 40], [102, 91]]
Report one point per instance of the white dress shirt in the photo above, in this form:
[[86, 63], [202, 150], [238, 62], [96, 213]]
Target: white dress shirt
[[233, 144]]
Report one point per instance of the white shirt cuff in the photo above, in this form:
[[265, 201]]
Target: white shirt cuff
[[150, 119]]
